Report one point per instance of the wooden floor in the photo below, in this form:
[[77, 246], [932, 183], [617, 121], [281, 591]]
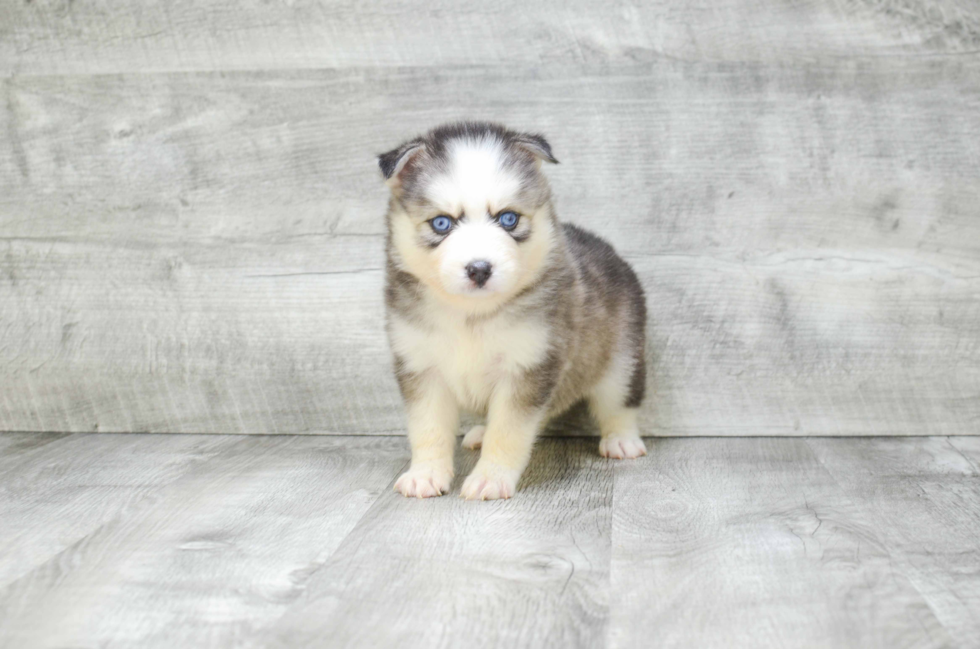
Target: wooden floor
[[152, 540]]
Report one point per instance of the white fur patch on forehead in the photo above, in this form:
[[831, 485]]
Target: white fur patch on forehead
[[477, 178]]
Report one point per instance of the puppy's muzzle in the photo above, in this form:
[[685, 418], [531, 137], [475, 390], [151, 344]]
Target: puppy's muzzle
[[479, 271]]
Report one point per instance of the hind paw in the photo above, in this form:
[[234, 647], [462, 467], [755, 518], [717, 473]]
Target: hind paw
[[624, 447], [474, 439]]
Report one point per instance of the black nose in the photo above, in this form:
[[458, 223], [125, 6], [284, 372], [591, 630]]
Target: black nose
[[479, 271]]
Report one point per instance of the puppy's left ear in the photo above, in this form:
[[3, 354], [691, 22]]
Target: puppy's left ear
[[536, 145], [393, 162]]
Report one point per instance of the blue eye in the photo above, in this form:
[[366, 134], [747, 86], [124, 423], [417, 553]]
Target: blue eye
[[441, 224], [508, 220]]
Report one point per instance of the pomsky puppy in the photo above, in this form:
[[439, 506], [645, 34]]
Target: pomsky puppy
[[496, 308]]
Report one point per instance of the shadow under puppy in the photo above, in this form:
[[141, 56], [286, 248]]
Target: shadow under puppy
[[495, 307]]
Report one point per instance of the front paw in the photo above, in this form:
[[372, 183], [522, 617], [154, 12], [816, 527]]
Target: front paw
[[490, 482], [425, 481], [622, 447]]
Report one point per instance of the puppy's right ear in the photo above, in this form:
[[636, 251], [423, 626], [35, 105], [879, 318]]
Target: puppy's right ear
[[395, 161]]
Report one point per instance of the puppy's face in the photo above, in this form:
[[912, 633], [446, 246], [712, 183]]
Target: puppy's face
[[470, 212]]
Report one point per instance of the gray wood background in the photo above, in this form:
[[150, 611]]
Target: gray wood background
[[191, 216]]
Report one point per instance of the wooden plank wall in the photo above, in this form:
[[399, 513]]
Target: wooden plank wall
[[190, 212]]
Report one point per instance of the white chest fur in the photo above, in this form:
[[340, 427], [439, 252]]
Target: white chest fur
[[472, 357]]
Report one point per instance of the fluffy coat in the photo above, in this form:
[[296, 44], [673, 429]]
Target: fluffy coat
[[512, 322]]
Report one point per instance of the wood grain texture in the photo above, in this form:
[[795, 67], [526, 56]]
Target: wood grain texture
[[109, 37], [807, 233], [969, 448], [207, 560], [246, 351], [751, 542], [65, 490], [527, 572], [188, 250], [923, 497], [20, 447], [291, 541]]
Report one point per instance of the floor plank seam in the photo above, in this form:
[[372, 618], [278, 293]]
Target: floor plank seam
[[312, 574], [962, 455], [889, 551]]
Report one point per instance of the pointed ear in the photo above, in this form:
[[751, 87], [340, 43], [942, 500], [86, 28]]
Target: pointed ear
[[393, 162], [536, 145]]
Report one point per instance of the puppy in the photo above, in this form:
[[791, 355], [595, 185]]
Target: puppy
[[496, 308]]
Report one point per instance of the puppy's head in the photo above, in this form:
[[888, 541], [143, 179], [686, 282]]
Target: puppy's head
[[470, 214]]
